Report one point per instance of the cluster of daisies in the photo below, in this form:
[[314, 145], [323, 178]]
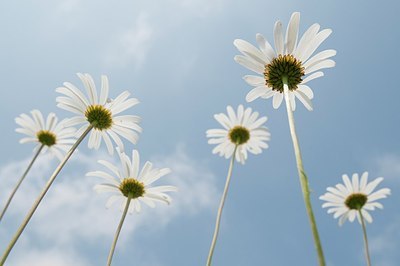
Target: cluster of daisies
[[282, 73], [99, 118]]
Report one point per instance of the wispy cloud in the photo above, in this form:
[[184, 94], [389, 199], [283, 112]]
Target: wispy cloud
[[132, 44], [389, 166], [72, 214], [385, 245]]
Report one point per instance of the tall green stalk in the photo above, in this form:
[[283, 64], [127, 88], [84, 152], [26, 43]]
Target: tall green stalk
[[221, 206], [110, 255], [367, 257], [20, 181], [303, 177], [41, 196]]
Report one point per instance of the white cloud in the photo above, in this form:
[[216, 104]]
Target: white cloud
[[384, 246], [131, 45], [48, 257], [389, 166], [72, 214]]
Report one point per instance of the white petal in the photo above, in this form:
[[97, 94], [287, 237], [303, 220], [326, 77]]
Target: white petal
[[51, 121], [268, 94], [278, 38], [104, 90], [251, 51], [70, 108], [309, 35], [223, 120], [135, 163], [366, 215], [120, 98], [73, 92], [26, 140], [254, 80], [364, 181], [26, 132], [312, 76], [352, 216], [116, 109], [304, 99], [110, 166], [249, 64], [292, 32], [372, 185], [319, 57], [128, 134], [103, 175], [38, 117], [76, 120], [116, 139], [277, 100], [306, 90], [343, 219], [265, 47], [71, 102], [347, 182], [314, 44], [106, 188], [355, 182], [256, 93], [380, 194], [108, 142], [320, 65], [231, 114]]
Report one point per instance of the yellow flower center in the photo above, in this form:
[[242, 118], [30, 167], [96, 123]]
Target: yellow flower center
[[46, 137], [284, 67], [130, 187], [99, 117], [239, 135], [356, 201]]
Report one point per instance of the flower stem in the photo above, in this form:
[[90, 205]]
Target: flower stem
[[303, 178], [20, 181], [221, 206], [367, 257], [110, 255], [41, 196]]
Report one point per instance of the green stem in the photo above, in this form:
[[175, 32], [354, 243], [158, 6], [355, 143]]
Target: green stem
[[367, 257], [303, 178], [221, 206], [20, 181], [110, 255], [41, 196]]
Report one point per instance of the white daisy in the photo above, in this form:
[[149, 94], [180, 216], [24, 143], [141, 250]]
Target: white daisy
[[55, 137], [291, 61], [127, 182], [100, 112], [346, 201], [242, 129]]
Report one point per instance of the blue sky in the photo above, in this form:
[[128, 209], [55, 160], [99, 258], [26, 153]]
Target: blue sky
[[176, 57]]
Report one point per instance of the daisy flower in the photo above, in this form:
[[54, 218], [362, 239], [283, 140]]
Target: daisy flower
[[100, 112], [354, 197], [53, 136], [242, 130], [131, 187], [292, 63], [49, 135], [128, 182]]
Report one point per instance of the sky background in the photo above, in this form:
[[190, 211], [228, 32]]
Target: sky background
[[176, 57]]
